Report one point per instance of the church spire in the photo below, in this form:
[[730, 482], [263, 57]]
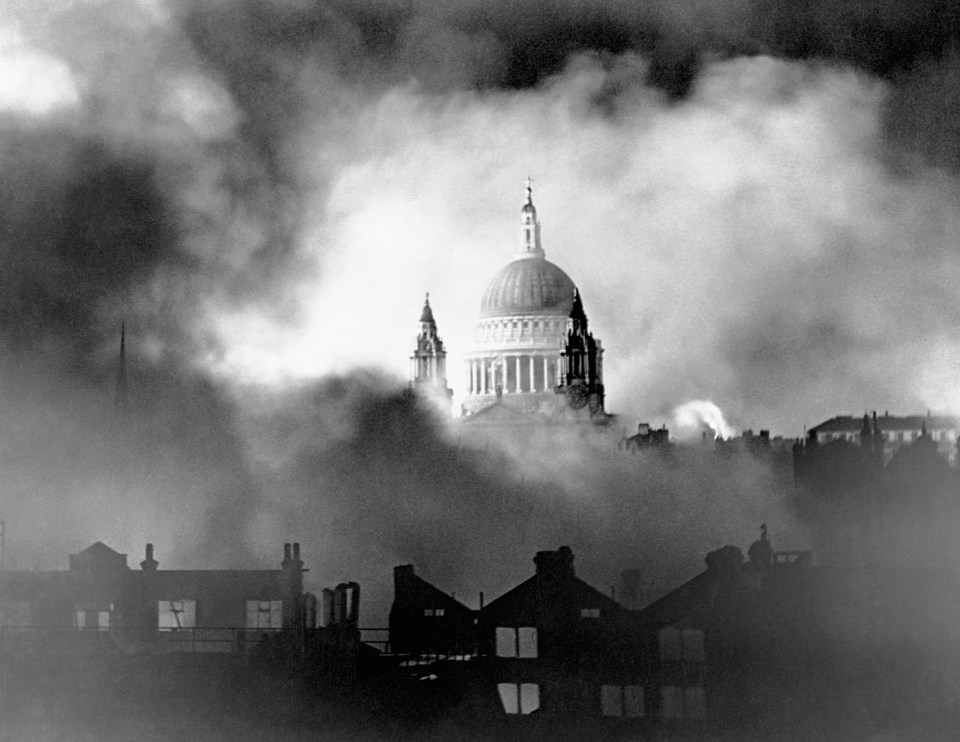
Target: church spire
[[530, 246]]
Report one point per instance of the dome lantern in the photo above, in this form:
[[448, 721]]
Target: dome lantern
[[530, 246]]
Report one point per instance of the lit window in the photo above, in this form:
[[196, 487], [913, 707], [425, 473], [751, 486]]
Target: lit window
[[693, 645], [625, 700], [527, 636], [93, 620], [633, 701], [680, 703], [434, 611], [16, 613], [694, 703], [506, 643], [264, 614], [519, 698], [589, 613], [520, 642], [671, 702], [611, 700], [176, 614], [669, 645]]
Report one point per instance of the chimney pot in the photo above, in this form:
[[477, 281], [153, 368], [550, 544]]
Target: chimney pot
[[286, 552], [296, 551]]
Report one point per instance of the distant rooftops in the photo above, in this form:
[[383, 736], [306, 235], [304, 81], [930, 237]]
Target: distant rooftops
[[850, 423]]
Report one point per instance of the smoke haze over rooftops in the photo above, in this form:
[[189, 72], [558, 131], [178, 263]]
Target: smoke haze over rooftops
[[758, 202]]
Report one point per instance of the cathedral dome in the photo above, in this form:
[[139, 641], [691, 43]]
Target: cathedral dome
[[528, 286]]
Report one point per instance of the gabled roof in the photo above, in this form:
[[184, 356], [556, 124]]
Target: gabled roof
[[419, 591], [100, 549], [580, 589], [98, 555]]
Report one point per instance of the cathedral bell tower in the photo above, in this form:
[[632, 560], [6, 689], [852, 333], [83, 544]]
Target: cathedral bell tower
[[428, 364], [581, 363]]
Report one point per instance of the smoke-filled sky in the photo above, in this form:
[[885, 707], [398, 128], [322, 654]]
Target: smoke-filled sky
[[757, 198]]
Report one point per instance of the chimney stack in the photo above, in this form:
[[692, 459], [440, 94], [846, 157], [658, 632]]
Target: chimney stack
[[557, 563], [149, 564]]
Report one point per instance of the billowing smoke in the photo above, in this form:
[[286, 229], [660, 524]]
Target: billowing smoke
[[703, 415], [758, 201]]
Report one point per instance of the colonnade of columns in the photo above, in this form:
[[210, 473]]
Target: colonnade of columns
[[515, 374]]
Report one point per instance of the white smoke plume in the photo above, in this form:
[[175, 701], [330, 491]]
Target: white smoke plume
[[700, 414]]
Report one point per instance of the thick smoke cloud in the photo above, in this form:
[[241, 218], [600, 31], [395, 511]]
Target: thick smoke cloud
[[757, 200]]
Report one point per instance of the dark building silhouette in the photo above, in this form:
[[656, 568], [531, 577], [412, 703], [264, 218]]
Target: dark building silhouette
[[868, 501], [425, 620], [557, 646], [646, 438]]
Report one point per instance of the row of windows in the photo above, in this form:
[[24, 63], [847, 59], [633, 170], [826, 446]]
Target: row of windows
[[616, 701], [891, 435], [182, 614], [434, 612], [171, 615]]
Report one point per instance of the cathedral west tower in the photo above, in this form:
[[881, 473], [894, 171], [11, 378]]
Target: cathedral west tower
[[428, 364]]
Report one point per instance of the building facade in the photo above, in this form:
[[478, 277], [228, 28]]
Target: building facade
[[210, 611], [531, 339], [894, 430]]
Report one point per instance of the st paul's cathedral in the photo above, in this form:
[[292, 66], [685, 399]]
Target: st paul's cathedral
[[533, 357]]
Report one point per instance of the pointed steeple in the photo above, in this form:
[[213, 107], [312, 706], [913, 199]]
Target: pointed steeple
[[428, 364], [530, 246], [426, 316], [121, 394]]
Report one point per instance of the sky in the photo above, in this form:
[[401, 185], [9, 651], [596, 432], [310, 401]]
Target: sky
[[758, 200]]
